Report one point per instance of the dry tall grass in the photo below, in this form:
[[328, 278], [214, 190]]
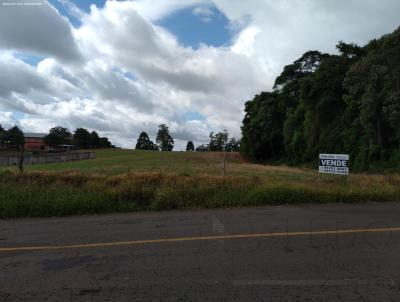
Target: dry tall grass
[[72, 193]]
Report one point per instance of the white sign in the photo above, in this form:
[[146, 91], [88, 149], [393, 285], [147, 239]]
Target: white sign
[[334, 163]]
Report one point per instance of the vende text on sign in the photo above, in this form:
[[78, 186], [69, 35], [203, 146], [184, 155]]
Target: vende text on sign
[[334, 163]]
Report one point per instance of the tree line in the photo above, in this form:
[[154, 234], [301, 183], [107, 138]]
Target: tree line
[[323, 103], [81, 138], [218, 142], [14, 138]]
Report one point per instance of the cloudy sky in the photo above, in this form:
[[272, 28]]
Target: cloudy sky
[[120, 67]]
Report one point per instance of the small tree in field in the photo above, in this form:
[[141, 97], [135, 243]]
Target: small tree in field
[[164, 139], [190, 146], [144, 143]]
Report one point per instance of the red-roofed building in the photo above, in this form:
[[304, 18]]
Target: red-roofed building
[[35, 141]]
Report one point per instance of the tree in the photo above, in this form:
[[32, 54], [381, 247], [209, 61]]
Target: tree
[[82, 138], [263, 125], [144, 143], [94, 140], [307, 64], [350, 50], [14, 138], [58, 136], [190, 146], [346, 103], [218, 141], [2, 135], [372, 99], [202, 148], [105, 143], [164, 139], [233, 145]]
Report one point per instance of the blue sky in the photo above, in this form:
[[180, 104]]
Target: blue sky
[[29, 58], [193, 116], [191, 29], [207, 26]]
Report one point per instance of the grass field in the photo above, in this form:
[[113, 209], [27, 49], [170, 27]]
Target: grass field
[[125, 180]]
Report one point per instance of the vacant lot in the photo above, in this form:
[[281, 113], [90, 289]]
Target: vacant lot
[[124, 180]]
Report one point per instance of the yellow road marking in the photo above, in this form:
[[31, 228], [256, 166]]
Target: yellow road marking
[[200, 238]]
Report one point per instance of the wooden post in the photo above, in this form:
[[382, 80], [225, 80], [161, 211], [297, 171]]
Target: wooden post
[[223, 163]]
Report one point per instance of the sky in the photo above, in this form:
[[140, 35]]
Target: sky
[[122, 67]]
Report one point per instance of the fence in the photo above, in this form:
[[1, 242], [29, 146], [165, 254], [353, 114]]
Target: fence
[[45, 158]]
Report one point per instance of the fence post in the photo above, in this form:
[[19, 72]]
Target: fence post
[[223, 163]]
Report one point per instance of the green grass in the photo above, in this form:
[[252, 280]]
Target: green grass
[[112, 162], [124, 180]]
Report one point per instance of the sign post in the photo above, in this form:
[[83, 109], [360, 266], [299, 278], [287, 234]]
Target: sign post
[[334, 164]]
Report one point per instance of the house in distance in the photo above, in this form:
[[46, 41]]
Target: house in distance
[[35, 141]]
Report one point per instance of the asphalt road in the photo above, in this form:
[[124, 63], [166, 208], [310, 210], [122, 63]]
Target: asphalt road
[[305, 253]]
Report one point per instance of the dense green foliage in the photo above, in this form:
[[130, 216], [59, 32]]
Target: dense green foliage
[[233, 145], [84, 139], [14, 138], [164, 139], [105, 143], [346, 103], [144, 143], [189, 146], [58, 136], [221, 142], [218, 141], [2, 135], [94, 139]]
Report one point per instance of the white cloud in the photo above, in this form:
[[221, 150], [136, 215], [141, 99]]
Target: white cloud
[[152, 12], [204, 13], [288, 28], [6, 119], [36, 28], [134, 75], [18, 77], [72, 8]]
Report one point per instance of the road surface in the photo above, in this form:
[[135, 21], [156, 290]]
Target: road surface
[[289, 253]]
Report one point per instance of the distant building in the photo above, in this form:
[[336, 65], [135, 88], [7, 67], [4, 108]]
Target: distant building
[[35, 141]]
